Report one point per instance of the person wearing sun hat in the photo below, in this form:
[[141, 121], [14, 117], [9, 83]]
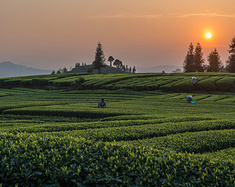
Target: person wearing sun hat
[[189, 99], [194, 80]]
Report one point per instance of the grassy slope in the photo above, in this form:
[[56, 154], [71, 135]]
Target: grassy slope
[[156, 81], [136, 119]]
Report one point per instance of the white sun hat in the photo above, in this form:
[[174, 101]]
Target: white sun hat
[[189, 96], [193, 77]]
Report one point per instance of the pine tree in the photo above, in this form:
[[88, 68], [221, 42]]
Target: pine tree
[[231, 59], [215, 65], [99, 58], [189, 62], [198, 59]]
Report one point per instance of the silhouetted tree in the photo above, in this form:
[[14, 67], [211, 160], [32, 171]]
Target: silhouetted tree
[[133, 70], [189, 63], [111, 59], [230, 64], [130, 70], [64, 70], [59, 71], [198, 59], [124, 68], [77, 65], [53, 72], [178, 70], [117, 63], [99, 58], [215, 65]]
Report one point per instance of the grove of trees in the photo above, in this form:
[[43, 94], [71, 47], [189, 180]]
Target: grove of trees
[[231, 59], [194, 61]]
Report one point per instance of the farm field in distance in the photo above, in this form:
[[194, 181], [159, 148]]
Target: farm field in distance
[[147, 136]]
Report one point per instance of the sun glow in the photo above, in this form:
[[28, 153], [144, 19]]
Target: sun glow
[[208, 35]]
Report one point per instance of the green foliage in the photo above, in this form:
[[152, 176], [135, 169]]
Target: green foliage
[[32, 160], [226, 84], [142, 138], [180, 82]]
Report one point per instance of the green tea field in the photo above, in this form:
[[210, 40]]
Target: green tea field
[[147, 136]]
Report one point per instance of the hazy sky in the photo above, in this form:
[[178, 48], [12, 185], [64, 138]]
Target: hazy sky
[[50, 34]]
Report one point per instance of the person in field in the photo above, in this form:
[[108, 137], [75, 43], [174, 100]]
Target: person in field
[[102, 104], [194, 80], [189, 99]]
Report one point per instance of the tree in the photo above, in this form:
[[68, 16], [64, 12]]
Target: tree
[[189, 63], [198, 59], [99, 58], [124, 68], [64, 70], [53, 72], [133, 70], [111, 59], [231, 59], [59, 71], [117, 63], [130, 70], [215, 65], [178, 70], [77, 65]]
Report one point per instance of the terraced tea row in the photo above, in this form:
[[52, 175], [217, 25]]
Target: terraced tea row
[[155, 81], [66, 161], [58, 137]]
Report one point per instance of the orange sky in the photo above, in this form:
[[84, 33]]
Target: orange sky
[[58, 33]]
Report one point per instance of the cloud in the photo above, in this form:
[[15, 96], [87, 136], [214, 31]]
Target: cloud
[[125, 16], [206, 13]]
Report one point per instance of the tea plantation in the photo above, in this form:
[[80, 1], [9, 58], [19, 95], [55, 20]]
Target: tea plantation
[[148, 135]]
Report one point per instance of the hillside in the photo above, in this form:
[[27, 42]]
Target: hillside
[[143, 138], [8, 69], [106, 70], [180, 82]]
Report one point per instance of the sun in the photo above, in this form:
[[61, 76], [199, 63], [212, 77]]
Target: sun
[[208, 35]]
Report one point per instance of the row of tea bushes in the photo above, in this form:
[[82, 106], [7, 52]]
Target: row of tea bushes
[[193, 142], [135, 132], [33, 160], [149, 81]]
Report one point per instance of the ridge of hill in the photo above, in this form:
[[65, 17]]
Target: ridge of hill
[[172, 82], [107, 69], [9, 69]]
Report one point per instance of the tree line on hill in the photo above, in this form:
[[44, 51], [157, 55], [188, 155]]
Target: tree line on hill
[[194, 61], [99, 63]]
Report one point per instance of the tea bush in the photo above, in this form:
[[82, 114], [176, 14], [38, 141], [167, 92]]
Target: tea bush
[[57, 137], [31, 160]]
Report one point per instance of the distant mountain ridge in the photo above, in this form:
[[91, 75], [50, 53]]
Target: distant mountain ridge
[[9, 69], [158, 69]]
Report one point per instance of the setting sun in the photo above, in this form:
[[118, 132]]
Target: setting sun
[[208, 35]]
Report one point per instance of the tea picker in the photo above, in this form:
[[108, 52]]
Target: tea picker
[[189, 99]]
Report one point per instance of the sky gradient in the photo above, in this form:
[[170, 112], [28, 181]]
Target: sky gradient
[[49, 34]]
